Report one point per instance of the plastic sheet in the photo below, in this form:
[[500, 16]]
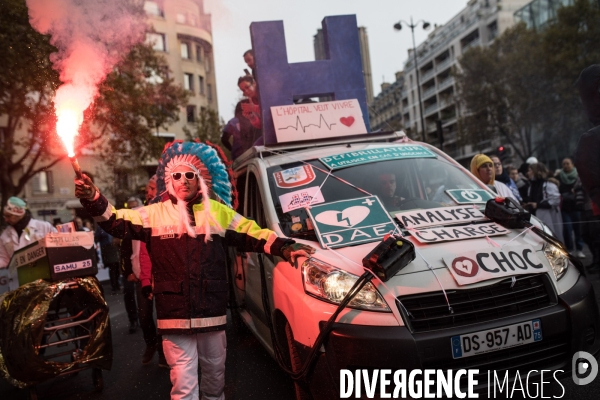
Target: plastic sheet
[[25, 312]]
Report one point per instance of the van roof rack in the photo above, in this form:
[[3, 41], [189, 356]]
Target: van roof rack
[[265, 151]]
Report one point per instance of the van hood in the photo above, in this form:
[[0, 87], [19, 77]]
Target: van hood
[[427, 255]]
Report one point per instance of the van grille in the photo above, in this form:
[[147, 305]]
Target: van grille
[[429, 311]]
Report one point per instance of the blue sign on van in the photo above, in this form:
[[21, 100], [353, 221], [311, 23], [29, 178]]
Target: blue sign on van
[[348, 222], [366, 156]]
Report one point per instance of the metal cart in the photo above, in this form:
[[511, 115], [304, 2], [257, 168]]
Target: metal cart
[[66, 333]]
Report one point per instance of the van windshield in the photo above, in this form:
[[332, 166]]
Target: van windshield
[[400, 185]]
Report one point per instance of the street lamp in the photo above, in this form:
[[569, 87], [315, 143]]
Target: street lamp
[[412, 26]]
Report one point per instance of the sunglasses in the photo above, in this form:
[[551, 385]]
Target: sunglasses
[[189, 175]]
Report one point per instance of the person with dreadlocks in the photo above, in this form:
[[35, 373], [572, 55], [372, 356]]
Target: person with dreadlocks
[[185, 234]]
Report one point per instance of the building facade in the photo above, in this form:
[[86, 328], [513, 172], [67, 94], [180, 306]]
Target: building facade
[[385, 111], [538, 13], [182, 33], [363, 38], [478, 24]]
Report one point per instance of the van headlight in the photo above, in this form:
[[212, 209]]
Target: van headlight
[[331, 284], [558, 259]]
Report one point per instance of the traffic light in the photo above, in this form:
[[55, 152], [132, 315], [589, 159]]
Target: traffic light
[[503, 153]]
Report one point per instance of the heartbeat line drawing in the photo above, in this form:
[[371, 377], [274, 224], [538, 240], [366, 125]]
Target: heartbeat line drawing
[[299, 122]]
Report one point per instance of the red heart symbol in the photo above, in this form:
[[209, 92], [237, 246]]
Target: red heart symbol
[[348, 121]]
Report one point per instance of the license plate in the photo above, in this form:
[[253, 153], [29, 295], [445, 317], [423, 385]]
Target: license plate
[[496, 339]]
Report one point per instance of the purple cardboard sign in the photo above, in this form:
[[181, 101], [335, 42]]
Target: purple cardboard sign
[[279, 82]]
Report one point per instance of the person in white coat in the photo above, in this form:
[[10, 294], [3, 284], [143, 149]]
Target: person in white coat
[[21, 230]]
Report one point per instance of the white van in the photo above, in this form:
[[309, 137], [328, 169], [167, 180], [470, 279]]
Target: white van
[[477, 295]]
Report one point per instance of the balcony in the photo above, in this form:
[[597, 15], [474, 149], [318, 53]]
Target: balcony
[[450, 137], [446, 102], [444, 64], [427, 74], [428, 92], [431, 127], [431, 109], [445, 83], [473, 43]]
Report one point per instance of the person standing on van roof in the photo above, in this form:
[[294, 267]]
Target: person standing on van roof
[[186, 234], [483, 168], [21, 230]]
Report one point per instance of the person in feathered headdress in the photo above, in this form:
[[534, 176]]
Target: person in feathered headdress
[[185, 229]]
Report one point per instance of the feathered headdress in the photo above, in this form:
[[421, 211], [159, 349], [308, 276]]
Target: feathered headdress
[[214, 175]]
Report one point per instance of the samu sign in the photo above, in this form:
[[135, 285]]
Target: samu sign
[[475, 266]]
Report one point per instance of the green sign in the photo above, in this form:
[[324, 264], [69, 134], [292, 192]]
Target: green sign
[[470, 196], [358, 157], [348, 222]]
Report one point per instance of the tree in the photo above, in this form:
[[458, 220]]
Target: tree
[[521, 89], [206, 127], [134, 100], [27, 84], [503, 91]]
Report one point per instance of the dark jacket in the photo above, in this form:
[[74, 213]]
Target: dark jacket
[[190, 279], [587, 155]]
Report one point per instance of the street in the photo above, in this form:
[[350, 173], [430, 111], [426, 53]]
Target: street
[[251, 373]]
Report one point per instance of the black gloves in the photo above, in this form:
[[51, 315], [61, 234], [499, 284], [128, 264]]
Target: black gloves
[[292, 251], [147, 292], [85, 188]]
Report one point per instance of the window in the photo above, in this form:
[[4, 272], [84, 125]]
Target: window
[[201, 84], [207, 59], [188, 82], [191, 113], [209, 92], [42, 183], [254, 206], [198, 53], [185, 50], [152, 8], [157, 40]]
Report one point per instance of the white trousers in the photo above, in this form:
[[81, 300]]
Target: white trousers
[[183, 353]]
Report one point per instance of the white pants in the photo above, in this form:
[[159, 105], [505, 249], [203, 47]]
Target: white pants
[[183, 352]]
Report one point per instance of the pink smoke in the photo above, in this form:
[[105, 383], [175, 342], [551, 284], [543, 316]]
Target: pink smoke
[[91, 37]]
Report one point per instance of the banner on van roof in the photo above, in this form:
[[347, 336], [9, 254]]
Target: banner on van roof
[[358, 157], [348, 222]]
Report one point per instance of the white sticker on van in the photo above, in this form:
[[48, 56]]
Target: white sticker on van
[[445, 234], [489, 263], [301, 198], [439, 216]]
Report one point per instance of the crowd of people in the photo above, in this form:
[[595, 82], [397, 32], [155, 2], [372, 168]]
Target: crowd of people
[[568, 200], [557, 199]]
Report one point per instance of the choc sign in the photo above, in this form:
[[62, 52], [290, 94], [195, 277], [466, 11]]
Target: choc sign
[[475, 266]]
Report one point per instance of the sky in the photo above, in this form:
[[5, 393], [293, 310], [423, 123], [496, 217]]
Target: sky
[[388, 48]]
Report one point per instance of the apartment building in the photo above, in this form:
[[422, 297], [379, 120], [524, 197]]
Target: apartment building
[[538, 13], [478, 24], [183, 34], [385, 111], [363, 39]]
